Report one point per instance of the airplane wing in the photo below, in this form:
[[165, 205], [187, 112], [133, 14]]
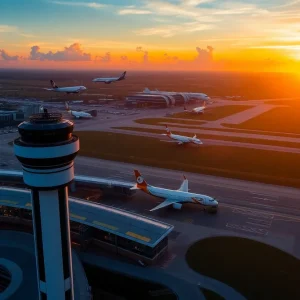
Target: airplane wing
[[167, 202], [184, 186]]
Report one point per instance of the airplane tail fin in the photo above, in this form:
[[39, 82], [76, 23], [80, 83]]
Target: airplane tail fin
[[53, 84], [140, 181], [122, 76], [67, 106], [168, 130]]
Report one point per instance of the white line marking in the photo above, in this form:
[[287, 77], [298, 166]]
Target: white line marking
[[265, 199], [259, 194], [247, 228], [252, 213], [262, 221], [256, 224], [264, 205]]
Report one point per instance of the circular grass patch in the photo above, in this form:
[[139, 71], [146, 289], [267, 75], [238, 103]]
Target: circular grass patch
[[256, 270]]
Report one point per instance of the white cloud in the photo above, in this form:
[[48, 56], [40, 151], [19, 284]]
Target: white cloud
[[8, 28], [134, 11], [86, 4], [195, 2], [287, 47], [171, 30], [71, 53]]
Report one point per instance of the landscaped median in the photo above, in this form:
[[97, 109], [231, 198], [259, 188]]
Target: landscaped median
[[256, 270], [235, 162], [221, 137]]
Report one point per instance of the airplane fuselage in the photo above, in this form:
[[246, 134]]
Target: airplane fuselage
[[182, 197], [184, 139], [79, 114], [69, 90]]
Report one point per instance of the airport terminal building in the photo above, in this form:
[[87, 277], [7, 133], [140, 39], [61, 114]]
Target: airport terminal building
[[94, 226], [158, 100]]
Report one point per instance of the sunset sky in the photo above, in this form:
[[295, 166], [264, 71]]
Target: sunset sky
[[246, 35]]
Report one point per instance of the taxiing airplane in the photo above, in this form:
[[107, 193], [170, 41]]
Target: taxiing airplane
[[68, 90], [196, 110], [78, 114], [175, 197], [110, 79], [181, 139]]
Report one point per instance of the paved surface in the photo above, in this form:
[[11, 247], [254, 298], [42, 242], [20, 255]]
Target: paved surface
[[181, 287], [242, 116], [18, 247]]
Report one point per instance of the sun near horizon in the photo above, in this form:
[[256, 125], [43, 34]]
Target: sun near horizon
[[190, 35]]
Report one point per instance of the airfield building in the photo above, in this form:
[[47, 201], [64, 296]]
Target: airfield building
[[159, 100]]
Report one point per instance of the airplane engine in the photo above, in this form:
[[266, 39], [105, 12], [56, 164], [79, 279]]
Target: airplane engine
[[177, 205]]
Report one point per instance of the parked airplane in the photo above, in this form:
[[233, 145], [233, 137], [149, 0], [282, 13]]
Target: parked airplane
[[110, 79], [68, 90], [175, 197], [78, 114], [196, 110], [181, 139]]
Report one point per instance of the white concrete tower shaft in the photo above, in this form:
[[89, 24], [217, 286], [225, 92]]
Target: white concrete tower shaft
[[46, 150]]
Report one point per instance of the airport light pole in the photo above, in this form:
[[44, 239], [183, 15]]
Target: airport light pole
[[46, 149]]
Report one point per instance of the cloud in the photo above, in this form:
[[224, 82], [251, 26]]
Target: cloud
[[86, 4], [195, 2], [205, 56], [5, 56], [105, 58], [169, 58], [27, 35], [8, 28], [134, 11], [71, 53], [145, 57], [171, 30]]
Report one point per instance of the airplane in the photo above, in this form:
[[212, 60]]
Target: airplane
[[181, 139], [196, 110], [68, 90], [110, 79], [78, 114], [198, 96], [175, 197]]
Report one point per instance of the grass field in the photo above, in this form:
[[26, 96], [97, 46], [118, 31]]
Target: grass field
[[159, 121], [214, 113], [281, 119], [218, 137], [256, 270], [187, 123], [243, 163]]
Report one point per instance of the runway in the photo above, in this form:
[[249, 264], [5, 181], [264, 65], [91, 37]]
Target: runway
[[252, 209]]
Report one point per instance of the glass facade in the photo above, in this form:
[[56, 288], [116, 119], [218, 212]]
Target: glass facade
[[90, 233]]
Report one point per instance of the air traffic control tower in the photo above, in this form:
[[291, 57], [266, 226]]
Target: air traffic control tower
[[46, 149]]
